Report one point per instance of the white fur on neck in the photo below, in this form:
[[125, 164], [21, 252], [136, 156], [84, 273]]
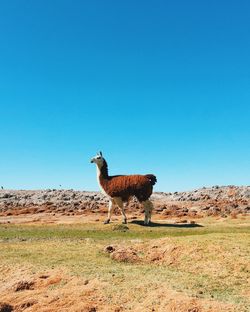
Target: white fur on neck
[[98, 171]]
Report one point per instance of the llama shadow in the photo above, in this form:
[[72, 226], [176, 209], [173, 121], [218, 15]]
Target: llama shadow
[[154, 224]]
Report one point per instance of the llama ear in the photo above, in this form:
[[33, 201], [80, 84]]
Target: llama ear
[[100, 153]]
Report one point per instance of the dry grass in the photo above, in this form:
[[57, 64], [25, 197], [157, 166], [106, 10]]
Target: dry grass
[[162, 268]]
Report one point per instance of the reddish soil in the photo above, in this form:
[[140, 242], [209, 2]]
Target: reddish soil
[[58, 291]]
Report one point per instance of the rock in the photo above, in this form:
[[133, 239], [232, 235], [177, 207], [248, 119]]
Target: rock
[[109, 249], [23, 285], [225, 198], [6, 195], [205, 208], [159, 209], [192, 222], [5, 307]]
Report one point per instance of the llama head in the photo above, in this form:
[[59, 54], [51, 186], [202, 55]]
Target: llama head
[[98, 159]]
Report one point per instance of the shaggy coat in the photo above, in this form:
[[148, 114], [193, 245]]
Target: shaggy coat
[[126, 186]]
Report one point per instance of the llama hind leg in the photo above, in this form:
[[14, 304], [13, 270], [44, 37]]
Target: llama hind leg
[[110, 208], [148, 207], [120, 204]]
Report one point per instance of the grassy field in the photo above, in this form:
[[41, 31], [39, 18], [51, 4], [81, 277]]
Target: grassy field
[[173, 267]]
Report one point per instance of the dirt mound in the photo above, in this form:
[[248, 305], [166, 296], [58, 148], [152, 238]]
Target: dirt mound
[[122, 254], [170, 252], [161, 251], [125, 255]]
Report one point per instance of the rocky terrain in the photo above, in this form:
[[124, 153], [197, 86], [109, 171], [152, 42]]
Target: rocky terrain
[[57, 255], [221, 201]]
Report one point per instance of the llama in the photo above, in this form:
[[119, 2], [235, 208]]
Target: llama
[[121, 188]]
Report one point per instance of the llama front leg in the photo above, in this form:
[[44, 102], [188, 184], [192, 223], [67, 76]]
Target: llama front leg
[[110, 208], [120, 204], [148, 207]]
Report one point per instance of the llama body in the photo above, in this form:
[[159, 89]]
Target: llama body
[[121, 188]]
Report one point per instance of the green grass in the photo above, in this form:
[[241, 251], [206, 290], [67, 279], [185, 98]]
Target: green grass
[[218, 270], [103, 232]]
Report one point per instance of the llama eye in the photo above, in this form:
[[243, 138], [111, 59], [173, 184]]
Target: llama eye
[[98, 157]]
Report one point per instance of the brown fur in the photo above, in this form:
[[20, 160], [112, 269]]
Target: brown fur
[[126, 186]]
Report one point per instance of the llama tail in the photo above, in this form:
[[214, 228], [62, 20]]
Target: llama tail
[[152, 178]]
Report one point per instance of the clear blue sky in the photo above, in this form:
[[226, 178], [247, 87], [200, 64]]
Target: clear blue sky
[[159, 86]]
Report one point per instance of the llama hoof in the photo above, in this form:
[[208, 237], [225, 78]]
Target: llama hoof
[[124, 221], [106, 221]]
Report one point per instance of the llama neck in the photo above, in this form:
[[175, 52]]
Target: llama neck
[[102, 178], [102, 171]]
